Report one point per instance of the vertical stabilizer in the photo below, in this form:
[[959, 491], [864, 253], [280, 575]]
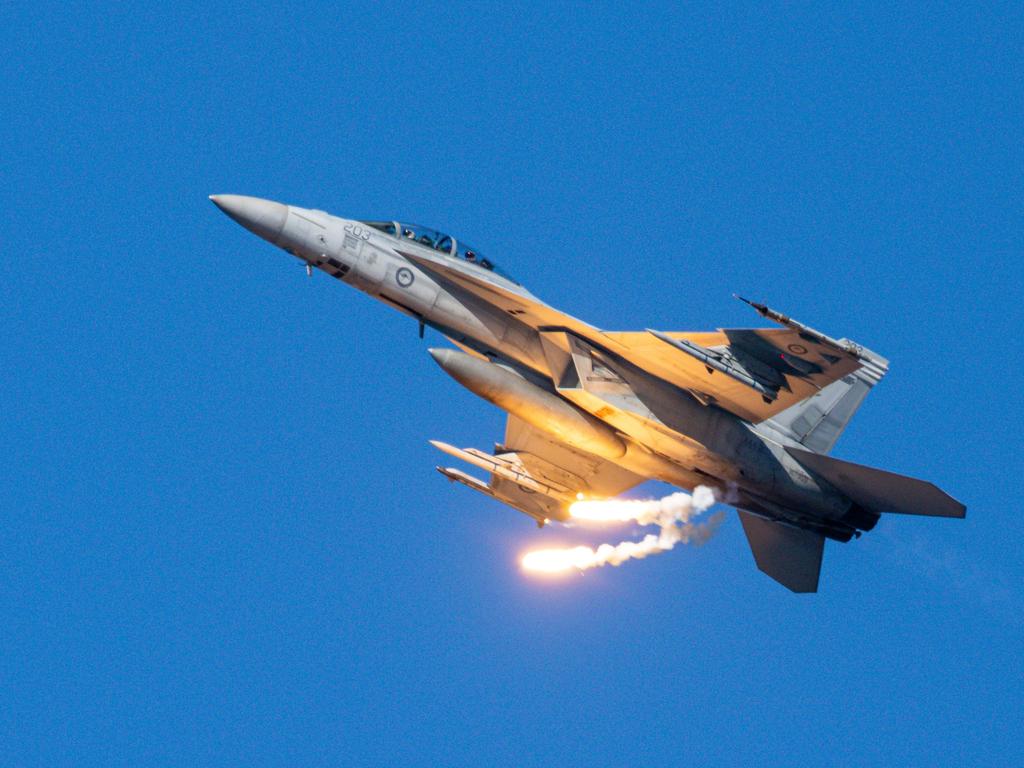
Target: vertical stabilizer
[[789, 555], [818, 421]]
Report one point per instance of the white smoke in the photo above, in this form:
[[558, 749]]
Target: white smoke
[[673, 515]]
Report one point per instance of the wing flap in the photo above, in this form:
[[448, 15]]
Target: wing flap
[[789, 555]]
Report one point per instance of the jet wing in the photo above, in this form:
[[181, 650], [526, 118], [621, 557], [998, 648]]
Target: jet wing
[[537, 475], [755, 373]]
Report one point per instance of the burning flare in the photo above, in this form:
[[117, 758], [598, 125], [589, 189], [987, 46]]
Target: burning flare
[[677, 507], [672, 514]]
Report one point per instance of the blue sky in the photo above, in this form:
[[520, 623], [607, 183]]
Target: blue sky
[[224, 541]]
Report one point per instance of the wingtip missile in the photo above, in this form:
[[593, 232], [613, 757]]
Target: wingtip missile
[[843, 345], [762, 309]]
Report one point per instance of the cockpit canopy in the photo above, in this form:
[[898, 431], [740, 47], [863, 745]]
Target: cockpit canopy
[[438, 241]]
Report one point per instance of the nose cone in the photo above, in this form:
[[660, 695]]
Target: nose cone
[[261, 217]]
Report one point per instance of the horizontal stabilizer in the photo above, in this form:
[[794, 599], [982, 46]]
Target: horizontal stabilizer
[[881, 491], [791, 556]]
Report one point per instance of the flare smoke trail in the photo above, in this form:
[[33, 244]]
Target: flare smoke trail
[[673, 514]]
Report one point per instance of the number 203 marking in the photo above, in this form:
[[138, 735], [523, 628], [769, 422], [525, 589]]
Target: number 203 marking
[[358, 231]]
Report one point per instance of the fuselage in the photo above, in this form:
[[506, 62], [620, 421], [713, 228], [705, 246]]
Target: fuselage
[[667, 433]]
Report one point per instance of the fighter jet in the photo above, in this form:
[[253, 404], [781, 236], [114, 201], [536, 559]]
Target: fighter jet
[[751, 412]]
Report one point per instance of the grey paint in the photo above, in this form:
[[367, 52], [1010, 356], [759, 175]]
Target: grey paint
[[595, 413]]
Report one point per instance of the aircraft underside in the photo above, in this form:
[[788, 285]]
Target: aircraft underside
[[752, 413]]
